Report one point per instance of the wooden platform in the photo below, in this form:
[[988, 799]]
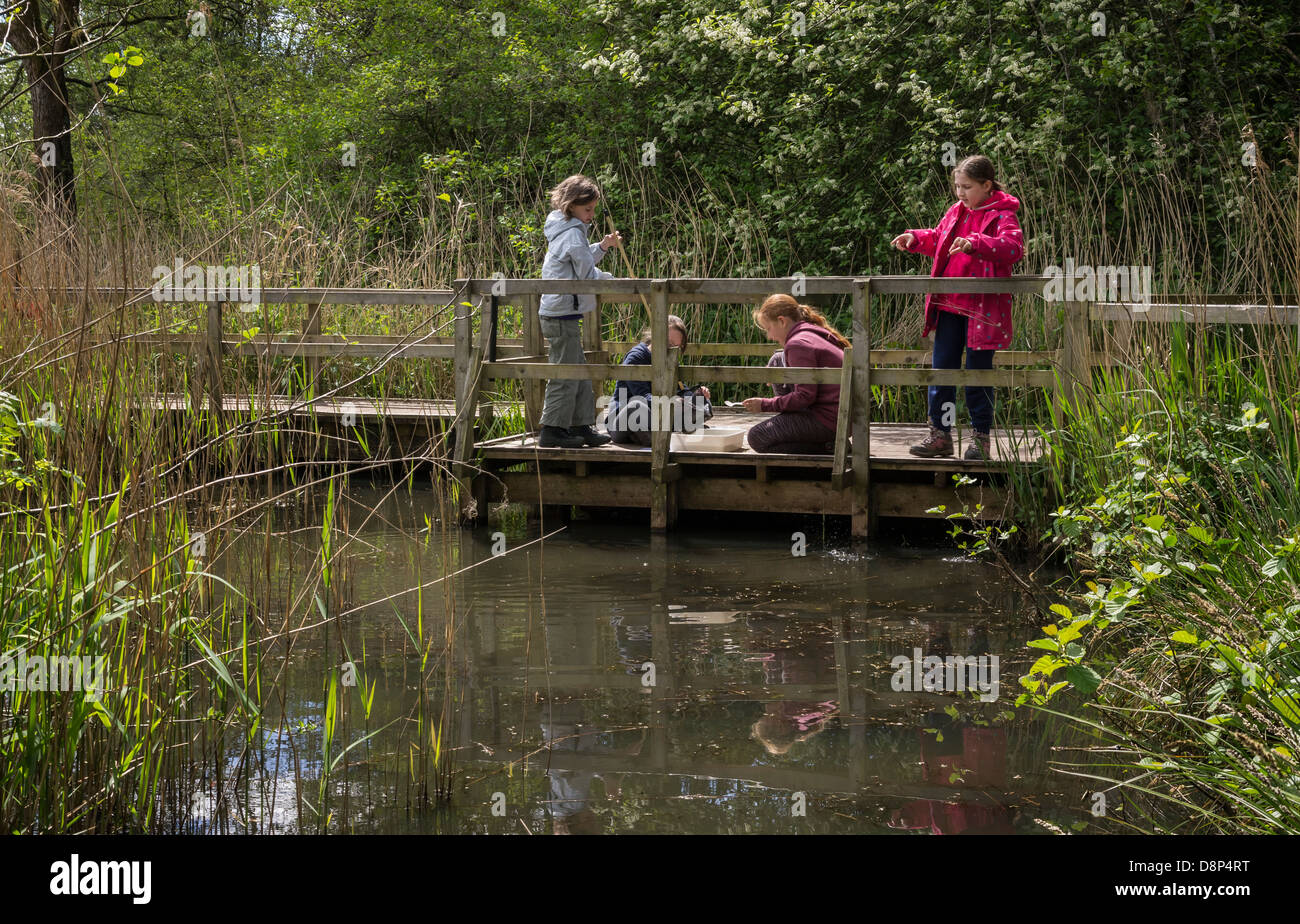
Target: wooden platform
[[516, 469], [889, 450]]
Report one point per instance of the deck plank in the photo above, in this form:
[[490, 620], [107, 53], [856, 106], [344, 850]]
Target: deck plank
[[889, 450]]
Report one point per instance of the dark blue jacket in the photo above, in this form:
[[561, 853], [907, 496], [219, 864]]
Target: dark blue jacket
[[639, 355]]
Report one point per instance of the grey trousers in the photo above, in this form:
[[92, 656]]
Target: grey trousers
[[569, 402]]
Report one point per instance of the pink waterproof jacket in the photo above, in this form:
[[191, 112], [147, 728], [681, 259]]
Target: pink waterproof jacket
[[996, 244]]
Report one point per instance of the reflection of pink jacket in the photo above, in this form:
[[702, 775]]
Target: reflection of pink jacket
[[996, 244]]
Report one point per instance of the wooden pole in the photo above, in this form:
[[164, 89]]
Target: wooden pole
[[534, 389], [861, 409], [1076, 355], [213, 370], [662, 368], [311, 362]]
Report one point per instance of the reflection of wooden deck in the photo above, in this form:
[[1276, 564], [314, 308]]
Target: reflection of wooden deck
[[516, 469]]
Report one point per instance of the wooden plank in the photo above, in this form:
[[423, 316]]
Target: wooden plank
[[393, 348], [1000, 358], [662, 363], [561, 488], [513, 370], [761, 375], [1008, 378], [843, 422], [788, 496], [860, 526], [274, 295], [893, 499], [1198, 313], [920, 285], [764, 350], [717, 291]]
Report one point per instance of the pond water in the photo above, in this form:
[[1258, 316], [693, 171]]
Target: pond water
[[713, 680]]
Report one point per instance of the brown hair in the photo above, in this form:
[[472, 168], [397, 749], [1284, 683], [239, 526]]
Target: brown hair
[[784, 306], [574, 190], [978, 168], [674, 323]]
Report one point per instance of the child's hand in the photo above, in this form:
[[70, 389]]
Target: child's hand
[[960, 245], [752, 405], [613, 239], [904, 241]]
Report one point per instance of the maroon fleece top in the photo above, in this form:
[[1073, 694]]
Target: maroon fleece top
[[810, 345]]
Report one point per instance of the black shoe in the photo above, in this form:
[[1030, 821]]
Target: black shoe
[[559, 438], [587, 433]]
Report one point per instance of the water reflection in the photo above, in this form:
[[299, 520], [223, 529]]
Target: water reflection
[[607, 681]]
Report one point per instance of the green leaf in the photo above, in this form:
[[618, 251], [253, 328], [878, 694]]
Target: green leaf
[[1085, 679], [1050, 644], [1182, 635], [1062, 611]]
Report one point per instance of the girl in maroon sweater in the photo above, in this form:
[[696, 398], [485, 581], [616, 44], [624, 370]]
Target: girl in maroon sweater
[[807, 413]]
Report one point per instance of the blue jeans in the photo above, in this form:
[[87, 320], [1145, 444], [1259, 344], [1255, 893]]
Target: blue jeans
[[949, 342]]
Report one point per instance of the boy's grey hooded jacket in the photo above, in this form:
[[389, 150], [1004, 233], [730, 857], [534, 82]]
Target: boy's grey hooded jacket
[[569, 256]]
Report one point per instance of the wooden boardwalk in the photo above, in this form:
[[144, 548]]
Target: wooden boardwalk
[[515, 469], [869, 473]]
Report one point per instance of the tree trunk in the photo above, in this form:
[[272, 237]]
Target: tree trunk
[[46, 52]]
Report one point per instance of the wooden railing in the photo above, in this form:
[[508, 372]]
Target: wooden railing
[[523, 358], [855, 378]]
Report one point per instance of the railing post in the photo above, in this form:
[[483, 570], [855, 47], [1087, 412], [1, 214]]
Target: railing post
[[662, 367], [1075, 366], [311, 362], [464, 373], [861, 409], [534, 389], [213, 361]]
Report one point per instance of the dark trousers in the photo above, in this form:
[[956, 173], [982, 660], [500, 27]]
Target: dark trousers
[[792, 431], [949, 343]]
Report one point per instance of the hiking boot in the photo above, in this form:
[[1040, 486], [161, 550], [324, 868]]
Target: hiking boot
[[559, 438], [589, 435], [938, 443], [980, 448]]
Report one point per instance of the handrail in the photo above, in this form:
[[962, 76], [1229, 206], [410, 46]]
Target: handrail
[[522, 358]]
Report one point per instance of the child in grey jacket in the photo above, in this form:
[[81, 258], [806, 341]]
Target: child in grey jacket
[[570, 407]]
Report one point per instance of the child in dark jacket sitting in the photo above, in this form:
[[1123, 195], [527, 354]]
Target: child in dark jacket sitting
[[630, 418]]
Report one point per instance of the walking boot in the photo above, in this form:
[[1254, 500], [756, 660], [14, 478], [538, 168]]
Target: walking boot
[[980, 448], [938, 443], [589, 435], [559, 438]]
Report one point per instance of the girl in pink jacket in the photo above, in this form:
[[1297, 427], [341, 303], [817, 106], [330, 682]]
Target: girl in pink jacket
[[978, 237]]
